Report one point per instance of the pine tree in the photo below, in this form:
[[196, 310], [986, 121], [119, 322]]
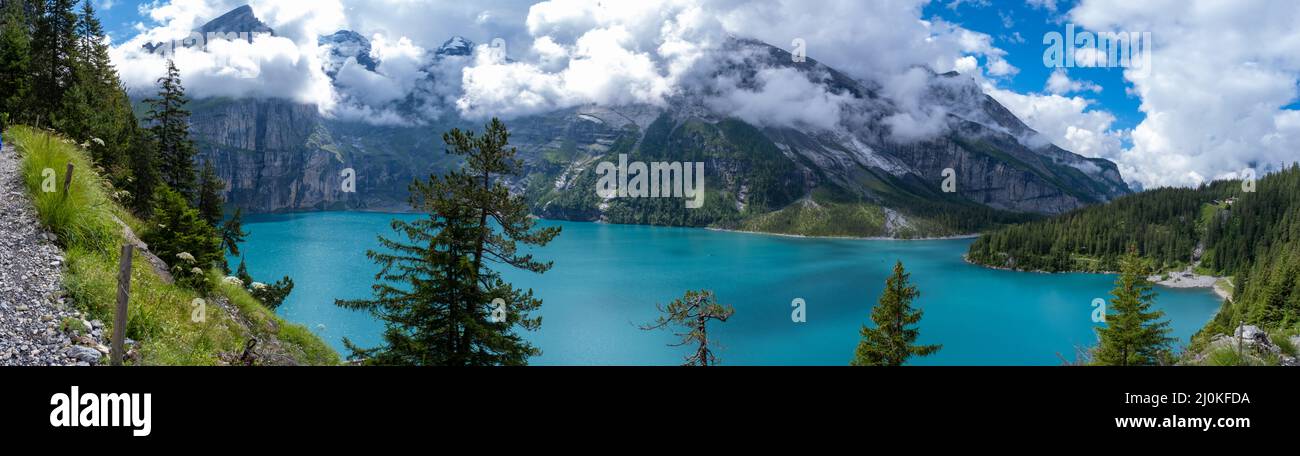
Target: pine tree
[[440, 301], [210, 200], [242, 273], [169, 129], [1134, 334], [177, 228], [15, 59], [54, 52], [232, 232], [274, 294], [893, 339], [693, 312], [144, 173], [95, 110]]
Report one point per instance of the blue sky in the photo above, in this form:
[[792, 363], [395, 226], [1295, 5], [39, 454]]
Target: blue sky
[[1018, 28], [119, 17]]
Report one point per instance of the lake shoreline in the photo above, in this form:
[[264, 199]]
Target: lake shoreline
[[854, 238], [708, 228], [1177, 280]]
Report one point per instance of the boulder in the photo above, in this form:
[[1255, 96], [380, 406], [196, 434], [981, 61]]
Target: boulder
[[84, 354], [1249, 332]]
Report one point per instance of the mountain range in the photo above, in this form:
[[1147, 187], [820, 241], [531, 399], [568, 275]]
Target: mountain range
[[853, 179]]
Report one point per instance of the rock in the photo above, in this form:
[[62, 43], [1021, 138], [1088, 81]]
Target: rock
[[1249, 332], [84, 354]]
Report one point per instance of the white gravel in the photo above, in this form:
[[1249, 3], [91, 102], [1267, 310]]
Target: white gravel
[[32, 306]]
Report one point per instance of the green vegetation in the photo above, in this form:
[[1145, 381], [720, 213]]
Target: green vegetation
[[15, 60], [1252, 238], [1162, 223], [692, 313], [820, 216], [441, 302], [893, 339], [752, 185], [160, 315], [183, 239], [170, 131], [1283, 343], [56, 74], [1134, 334]]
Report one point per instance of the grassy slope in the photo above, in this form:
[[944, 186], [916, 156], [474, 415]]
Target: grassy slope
[[159, 315]]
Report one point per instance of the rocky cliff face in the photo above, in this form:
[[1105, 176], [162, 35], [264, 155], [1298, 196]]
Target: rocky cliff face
[[278, 156]]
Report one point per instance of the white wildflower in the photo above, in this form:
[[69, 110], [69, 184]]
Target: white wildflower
[[258, 286], [234, 281], [97, 141], [185, 256], [197, 271]]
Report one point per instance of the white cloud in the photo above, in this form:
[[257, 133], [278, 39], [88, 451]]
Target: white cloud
[[1068, 122], [588, 51], [564, 53], [1059, 83], [1221, 75], [1049, 5], [784, 97]]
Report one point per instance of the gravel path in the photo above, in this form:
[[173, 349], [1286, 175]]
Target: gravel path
[[32, 306]]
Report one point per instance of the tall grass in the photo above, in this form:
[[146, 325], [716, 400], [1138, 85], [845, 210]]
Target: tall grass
[[160, 316], [82, 216]]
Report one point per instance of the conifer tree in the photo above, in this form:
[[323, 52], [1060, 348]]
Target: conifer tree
[[95, 110], [210, 200], [144, 172], [1134, 333], [242, 273], [441, 301], [232, 232], [892, 341], [692, 313], [15, 59], [54, 49], [169, 130], [272, 295], [177, 228]]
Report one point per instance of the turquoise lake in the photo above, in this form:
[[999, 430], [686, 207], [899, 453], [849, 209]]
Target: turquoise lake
[[608, 278]]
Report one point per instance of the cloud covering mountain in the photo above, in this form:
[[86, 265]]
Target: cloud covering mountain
[[534, 57]]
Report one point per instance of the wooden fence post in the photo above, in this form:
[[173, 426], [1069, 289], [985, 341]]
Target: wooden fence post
[[123, 295], [67, 180]]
